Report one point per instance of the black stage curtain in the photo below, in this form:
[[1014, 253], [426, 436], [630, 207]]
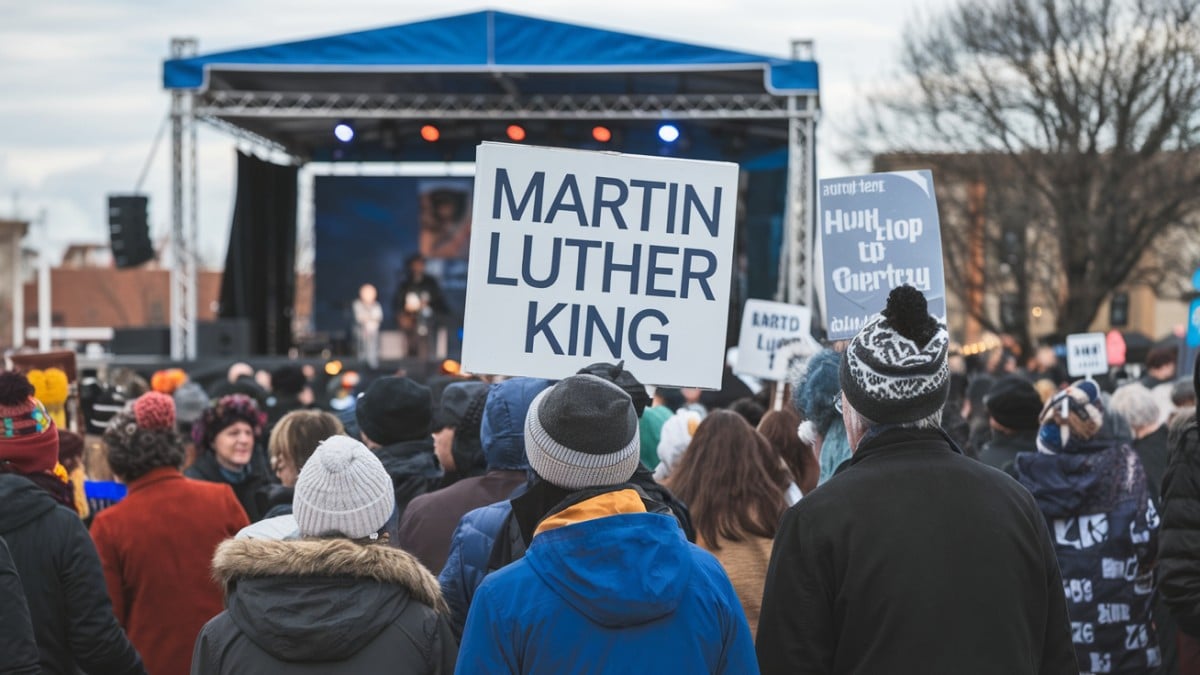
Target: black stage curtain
[[259, 283]]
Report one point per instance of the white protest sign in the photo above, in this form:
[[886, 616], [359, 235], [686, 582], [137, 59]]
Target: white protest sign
[[878, 232], [579, 257], [1087, 354], [766, 326]]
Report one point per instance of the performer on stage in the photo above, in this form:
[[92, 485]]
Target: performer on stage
[[418, 303], [368, 315]]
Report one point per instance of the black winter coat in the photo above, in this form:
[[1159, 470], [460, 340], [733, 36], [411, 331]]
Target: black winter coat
[[249, 492], [1002, 450], [413, 467], [17, 643], [60, 572], [1179, 539], [324, 606], [914, 559]]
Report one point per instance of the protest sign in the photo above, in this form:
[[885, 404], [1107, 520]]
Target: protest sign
[[1087, 354], [579, 257], [878, 232], [767, 326]]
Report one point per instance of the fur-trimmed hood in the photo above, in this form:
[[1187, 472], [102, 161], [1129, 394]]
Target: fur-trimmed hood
[[321, 599], [238, 559]]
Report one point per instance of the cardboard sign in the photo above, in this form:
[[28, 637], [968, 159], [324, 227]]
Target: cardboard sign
[[1087, 354], [878, 232], [767, 326], [579, 257]]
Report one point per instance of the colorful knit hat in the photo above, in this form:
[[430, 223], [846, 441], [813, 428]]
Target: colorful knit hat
[[1070, 417], [224, 412], [28, 437]]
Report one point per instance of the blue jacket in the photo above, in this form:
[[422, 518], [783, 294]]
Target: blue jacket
[[470, 550], [619, 594], [1105, 529]]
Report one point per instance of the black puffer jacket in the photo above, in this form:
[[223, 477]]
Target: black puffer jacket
[[72, 616], [324, 606], [1179, 539], [17, 643], [413, 467]]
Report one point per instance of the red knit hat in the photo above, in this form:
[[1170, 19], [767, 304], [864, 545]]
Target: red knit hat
[[28, 437], [154, 411]]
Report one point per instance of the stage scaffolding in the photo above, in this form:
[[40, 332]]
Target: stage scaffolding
[[232, 111]]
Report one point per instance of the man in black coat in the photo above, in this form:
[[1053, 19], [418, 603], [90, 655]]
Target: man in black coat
[[395, 415], [1013, 407], [912, 558]]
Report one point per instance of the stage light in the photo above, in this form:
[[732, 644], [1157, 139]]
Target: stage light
[[669, 133], [333, 368], [430, 133], [451, 367], [602, 134], [515, 132], [343, 131]]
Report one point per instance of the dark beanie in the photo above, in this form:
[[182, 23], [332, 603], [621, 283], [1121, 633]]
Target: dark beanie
[[395, 409], [288, 380], [582, 432], [1014, 403], [895, 370], [624, 379]]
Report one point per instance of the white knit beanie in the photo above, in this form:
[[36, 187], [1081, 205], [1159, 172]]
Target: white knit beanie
[[343, 490]]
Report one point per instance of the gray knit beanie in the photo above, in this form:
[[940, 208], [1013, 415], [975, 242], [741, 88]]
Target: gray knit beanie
[[343, 490], [582, 432]]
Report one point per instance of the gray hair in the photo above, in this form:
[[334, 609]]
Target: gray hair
[[858, 424], [1136, 405]]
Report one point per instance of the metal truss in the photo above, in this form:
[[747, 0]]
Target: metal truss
[[250, 104], [796, 259], [184, 198]]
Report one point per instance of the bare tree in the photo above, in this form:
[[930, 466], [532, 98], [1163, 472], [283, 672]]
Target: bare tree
[[1081, 118]]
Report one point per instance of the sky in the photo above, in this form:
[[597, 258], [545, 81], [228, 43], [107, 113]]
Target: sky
[[81, 95]]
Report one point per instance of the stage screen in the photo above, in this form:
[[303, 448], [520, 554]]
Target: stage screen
[[366, 227]]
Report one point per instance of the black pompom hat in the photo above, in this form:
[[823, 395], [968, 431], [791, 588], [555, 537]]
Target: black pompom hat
[[895, 370]]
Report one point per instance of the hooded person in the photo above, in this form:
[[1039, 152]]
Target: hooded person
[[342, 598], [54, 557], [156, 544], [879, 569], [815, 395], [1013, 407], [457, 419], [429, 521], [493, 536], [1092, 490], [394, 418], [606, 571], [227, 438]]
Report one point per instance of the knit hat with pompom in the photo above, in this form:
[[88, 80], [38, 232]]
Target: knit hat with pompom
[[28, 437], [895, 370]]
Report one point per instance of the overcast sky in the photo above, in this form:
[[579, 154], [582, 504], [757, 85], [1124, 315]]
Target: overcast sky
[[81, 91]]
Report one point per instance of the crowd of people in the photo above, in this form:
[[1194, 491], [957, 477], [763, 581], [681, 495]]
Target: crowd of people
[[900, 512]]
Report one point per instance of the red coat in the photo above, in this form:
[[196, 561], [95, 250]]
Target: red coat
[[156, 546]]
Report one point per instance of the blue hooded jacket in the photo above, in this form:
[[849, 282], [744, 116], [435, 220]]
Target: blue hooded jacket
[[503, 436], [618, 594]]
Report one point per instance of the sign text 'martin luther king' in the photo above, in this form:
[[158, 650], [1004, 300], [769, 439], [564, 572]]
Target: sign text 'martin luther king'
[[579, 257]]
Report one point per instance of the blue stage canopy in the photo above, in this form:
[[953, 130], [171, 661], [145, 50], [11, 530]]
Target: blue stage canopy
[[490, 41]]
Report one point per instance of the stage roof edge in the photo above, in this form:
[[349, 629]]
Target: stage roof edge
[[490, 41]]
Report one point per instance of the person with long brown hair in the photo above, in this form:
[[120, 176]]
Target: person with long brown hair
[[779, 428], [735, 487]]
